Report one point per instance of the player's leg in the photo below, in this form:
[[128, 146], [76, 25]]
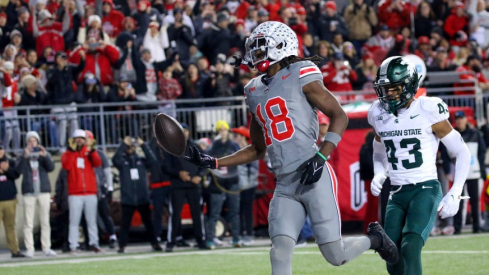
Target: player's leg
[[395, 215], [420, 219], [285, 219], [322, 207]]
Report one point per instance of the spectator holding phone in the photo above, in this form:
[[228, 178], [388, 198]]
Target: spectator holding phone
[[34, 166]]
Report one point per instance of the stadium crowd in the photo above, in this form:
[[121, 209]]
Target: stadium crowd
[[67, 53]]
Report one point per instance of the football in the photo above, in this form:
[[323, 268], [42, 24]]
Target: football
[[169, 134]]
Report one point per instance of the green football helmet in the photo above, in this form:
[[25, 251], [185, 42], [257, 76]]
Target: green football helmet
[[395, 71]]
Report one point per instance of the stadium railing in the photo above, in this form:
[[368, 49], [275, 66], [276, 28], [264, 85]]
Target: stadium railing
[[111, 122]]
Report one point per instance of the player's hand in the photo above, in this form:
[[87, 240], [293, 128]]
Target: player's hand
[[199, 159], [312, 169], [449, 205], [376, 185], [237, 61]]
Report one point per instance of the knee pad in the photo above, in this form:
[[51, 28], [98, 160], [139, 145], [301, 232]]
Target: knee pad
[[411, 245], [334, 253], [282, 249]]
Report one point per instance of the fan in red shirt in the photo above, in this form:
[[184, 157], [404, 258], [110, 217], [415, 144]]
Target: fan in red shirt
[[338, 74], [457, 25], [48, 32], [472, 66], [395, 13], [111, 19], [273, 8]]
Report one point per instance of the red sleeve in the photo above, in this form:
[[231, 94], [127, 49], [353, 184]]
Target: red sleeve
[[95, 159], [449, 27], [30, 28], [300, 29], [74, 56], [482, 78], [178, 92], [65, 161], [7, 81], [353, 76], [406, 12], [112, 53], [383, 13], [329, 75], [242, 10], [57, 26]]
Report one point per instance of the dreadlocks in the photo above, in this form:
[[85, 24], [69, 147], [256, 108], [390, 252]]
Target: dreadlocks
[[293, 59]]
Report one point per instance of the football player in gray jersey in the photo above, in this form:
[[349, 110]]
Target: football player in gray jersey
[[283, 101]]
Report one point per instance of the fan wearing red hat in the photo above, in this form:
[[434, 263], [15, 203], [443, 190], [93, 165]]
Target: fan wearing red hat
[[111, 19], [457, 26], [395, 14], [424, 50]]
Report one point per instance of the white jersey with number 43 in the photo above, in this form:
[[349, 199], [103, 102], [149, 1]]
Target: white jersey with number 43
[[409, 141]]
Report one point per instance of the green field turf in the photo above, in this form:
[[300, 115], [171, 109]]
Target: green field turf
[[464, 255]]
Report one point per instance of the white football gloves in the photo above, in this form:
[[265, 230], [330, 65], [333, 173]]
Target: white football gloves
[[376, 185], [449, 205]]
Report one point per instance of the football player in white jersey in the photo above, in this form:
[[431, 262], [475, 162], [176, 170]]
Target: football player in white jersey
[[408, 132]]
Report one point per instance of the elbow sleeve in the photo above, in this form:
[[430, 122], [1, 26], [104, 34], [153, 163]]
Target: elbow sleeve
[[457, 147], [380, 158]]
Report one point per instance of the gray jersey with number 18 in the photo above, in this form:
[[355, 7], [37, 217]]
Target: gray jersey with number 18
[[289, 122]]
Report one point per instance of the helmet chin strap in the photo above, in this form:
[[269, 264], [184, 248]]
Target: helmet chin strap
[[263, 66]]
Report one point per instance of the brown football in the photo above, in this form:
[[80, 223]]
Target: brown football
[[169, 134]]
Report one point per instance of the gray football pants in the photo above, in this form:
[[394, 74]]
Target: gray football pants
[[288, 209], [88, 206]]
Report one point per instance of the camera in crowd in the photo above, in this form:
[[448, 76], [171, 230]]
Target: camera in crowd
[[34, 154]]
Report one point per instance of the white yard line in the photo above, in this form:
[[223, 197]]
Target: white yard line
[[369, 252], [231, 251]]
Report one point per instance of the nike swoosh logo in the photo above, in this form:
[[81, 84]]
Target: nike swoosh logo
[[316, 169], [424, 187], [414, 116], [285, 76]]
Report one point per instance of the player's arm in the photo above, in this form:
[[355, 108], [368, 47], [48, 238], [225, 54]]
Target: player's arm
[[321, 98], [324, 100], [455, 145], [256, 150], [380, 166]]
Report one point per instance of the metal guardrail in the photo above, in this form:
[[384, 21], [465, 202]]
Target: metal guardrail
[[111, 122]]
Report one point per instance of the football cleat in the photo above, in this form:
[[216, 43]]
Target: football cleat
[[387, 249]]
